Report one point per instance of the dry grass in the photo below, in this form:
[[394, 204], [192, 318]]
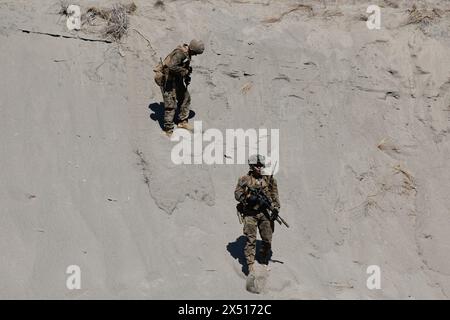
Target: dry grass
[[64, 4], [332, 13], [422, 16], [366, 206], [362, 17], [117, 20], [144, 166], [246, 87], [391, 4], [386, 145], [298, 7], [408, 181], [370, 204], [159, 4], [92, 14]]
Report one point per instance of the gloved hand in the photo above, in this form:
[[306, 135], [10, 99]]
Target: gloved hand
[[274, 215], [184, 72]]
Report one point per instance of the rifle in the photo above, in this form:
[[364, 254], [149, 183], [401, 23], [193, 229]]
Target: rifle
[[266, 205], [239, 217], [280, 218], [239, 212]]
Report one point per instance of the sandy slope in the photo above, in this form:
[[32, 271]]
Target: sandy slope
[[79, 141]]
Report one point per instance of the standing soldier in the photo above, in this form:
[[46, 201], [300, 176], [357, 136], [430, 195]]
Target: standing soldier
[[253, 215], [173, 76]]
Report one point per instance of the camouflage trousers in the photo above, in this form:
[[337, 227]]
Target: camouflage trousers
[[266, 228], [175, 91]]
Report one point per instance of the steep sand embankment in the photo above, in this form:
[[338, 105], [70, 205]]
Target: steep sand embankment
[[87, 179]]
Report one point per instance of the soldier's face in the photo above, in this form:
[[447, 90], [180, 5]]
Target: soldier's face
[[257, 169]]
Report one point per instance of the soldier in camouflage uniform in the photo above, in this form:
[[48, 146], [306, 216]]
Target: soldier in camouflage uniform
[[177, 72], [253, 217]]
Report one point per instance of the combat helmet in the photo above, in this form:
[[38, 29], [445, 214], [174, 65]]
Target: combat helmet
[[257, 160], [196, 46]]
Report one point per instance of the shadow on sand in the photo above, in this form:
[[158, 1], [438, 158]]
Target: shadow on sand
[[236, 250], [158, 113]]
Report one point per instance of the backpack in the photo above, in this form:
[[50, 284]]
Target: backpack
[[161, 72]]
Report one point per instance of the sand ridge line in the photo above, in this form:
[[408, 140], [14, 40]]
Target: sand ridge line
[[66, 36]]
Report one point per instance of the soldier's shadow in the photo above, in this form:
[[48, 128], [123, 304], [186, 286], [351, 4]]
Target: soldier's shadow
[[236, 250], [158, 113]]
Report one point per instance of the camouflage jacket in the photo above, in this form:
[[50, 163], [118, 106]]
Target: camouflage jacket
[[178, 62], [267, 183]]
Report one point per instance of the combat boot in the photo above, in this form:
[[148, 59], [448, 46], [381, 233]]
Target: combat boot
[[264, 257], [186, 125]]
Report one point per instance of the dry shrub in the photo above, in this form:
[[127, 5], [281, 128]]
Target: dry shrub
[[422, 16], [367, 205], [332, 13], [386, 145], [130, 8], [370, 204], [117, 21], [64, 4], [92, 13], [307, 8], [408, 181], [362, 17], [159, 4], [391, 4], [246, 87]]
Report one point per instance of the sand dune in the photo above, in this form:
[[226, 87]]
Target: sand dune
[[363, 115]]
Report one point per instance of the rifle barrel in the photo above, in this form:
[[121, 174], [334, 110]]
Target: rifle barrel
[[284, 221], [239, 217]]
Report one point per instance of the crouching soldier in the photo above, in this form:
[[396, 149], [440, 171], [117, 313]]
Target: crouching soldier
[[173, 76], [254, 215]]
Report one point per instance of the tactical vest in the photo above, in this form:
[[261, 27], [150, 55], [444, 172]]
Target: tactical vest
[[264, 183], [161, 71]]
